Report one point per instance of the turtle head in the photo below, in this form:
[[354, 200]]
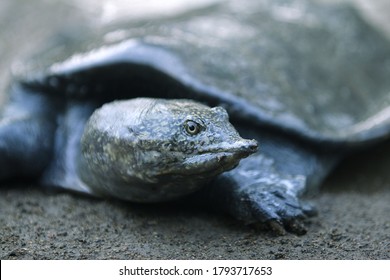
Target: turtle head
[[190, 141], [172, 146]]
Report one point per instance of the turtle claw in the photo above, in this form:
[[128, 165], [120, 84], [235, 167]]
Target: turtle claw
[[296, 226], [276, 227], [279, 228]]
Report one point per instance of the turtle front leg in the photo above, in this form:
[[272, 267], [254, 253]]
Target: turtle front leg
[[27, 128], [25, 147], [266, 188], [263, 196]]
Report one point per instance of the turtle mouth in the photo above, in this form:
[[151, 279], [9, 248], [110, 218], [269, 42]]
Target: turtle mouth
[[215, 160], [210, 162], [240, 149]]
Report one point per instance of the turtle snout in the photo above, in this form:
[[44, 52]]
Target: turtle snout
[[249, 146]]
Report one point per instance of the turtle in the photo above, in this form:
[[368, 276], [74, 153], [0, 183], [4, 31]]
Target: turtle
[[242, 106]]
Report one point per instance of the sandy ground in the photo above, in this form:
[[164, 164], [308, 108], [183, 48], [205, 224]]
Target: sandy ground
[[353, 223]]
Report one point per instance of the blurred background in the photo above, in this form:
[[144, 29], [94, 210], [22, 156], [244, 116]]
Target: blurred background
[[26, 24]]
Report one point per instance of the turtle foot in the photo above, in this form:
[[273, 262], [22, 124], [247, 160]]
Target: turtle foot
[[275, 210], [258, 193]]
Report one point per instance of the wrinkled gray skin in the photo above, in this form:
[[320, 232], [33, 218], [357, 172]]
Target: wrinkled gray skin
[[150, 150], [309, 82]]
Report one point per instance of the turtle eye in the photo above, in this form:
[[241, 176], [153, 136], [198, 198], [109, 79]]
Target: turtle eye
[[192, 128]]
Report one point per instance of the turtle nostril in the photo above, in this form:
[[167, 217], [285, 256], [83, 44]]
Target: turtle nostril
[[252, 146], [248, 147]]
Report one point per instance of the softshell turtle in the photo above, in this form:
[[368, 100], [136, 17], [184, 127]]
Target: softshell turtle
[[309, 82]]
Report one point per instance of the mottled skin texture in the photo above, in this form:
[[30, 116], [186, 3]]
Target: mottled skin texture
[[149, 150]]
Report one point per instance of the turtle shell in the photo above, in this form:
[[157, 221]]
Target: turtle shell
[[317, 71]]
